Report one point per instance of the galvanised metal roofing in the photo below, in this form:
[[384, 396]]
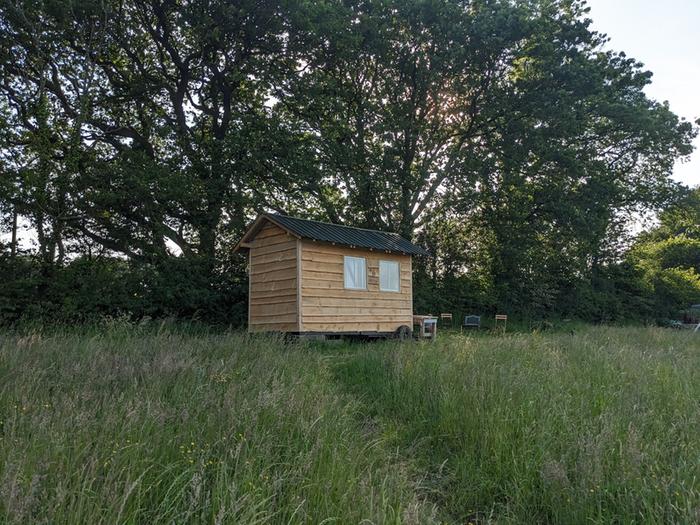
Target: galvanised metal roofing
[[346, 235]]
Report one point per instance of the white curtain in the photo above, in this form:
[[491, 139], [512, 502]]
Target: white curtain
[[355, 273], [389, 276]]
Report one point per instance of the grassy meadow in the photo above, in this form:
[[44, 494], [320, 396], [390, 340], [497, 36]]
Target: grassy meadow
[[131, 424]]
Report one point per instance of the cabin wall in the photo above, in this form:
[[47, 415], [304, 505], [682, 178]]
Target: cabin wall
[[272, 272], [326, 306]]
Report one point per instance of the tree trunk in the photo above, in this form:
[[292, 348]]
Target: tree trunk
[[208, 233], [406, 223], [13, 242]]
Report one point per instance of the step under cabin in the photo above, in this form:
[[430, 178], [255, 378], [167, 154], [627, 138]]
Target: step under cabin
[[315, 278]]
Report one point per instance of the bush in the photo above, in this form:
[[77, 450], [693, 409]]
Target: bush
[[88, 289]]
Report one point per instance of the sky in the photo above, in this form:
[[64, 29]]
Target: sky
[[665, 36]]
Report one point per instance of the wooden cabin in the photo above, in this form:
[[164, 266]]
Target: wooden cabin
[[310, 277]]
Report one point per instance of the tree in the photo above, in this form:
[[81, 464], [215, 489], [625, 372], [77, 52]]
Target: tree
[[162, 112], [668, 256], [510, 117], [498, 133], [579, 151]]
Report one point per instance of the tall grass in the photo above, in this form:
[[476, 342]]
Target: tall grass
[[168, 428], [133, 425], [599, 427]]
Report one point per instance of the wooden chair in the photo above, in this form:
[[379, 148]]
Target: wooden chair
[[446, 317], [501, 317]]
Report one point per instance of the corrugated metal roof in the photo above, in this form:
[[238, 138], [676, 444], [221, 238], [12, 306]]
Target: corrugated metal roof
[[346, 235]]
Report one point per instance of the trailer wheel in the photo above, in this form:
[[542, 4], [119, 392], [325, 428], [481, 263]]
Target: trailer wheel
[[403, 333]]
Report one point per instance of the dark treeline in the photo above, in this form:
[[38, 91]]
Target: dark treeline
[[138, 138]]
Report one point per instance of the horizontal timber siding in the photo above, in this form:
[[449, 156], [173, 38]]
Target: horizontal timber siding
[[326, 306], [272, 268]]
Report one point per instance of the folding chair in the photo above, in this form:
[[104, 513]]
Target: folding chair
[[471, 321], [501, 317]]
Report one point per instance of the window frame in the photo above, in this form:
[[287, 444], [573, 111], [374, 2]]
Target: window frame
[[397, 264], [345, 282]]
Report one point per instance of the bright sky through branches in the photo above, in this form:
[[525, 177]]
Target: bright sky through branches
[[665, 36]]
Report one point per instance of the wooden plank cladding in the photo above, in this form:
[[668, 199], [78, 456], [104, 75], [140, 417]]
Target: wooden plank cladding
[[272, 271], [327, 306], [297, 277]]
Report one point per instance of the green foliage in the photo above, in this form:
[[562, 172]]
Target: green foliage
[[18, 293], [500, 134], [675, 288], [668, 257], [673, 252], [87, 290]]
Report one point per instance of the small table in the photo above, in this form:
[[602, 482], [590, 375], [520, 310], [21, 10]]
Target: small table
[[427, 324]]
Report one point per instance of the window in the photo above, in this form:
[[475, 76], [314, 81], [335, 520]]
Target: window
[[355, 272], [389, 276]]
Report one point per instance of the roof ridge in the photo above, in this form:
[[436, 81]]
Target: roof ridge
[[335, 225]]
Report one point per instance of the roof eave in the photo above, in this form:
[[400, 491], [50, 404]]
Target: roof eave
[[270, 217], [244, 242], [253, 229], [418, 252]]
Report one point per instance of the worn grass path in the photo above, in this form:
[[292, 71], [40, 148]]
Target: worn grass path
[[129, 424]]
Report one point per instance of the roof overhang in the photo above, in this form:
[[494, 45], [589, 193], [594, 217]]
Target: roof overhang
[[254, 228]]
